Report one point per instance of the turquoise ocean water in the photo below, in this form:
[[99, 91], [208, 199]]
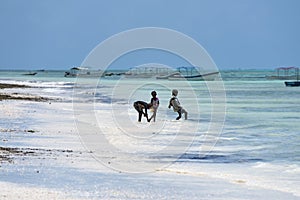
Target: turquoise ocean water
[[262, 119]]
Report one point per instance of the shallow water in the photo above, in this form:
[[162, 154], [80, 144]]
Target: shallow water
[[260, 137]]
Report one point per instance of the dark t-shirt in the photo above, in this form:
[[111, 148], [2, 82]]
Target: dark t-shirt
[[140, 105]]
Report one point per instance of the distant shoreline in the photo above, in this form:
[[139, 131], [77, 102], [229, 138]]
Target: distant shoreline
[[126, 69]]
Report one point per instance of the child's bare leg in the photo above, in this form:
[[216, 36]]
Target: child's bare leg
[[154, 115], [179, 115], [185, 113]]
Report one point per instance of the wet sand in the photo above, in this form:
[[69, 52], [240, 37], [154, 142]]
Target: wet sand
[[7, 153], [18, 96]]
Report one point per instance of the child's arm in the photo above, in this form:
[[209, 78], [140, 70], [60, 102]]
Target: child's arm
[[170, 102], [145, 107], [151, 102]]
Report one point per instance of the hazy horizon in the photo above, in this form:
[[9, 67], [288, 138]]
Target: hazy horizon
[[125, 69]]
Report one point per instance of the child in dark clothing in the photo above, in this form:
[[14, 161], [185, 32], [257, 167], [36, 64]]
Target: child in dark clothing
[[139, 106]]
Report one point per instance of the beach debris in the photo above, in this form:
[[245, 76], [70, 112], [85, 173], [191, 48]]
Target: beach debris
[[30, 131], [8, 154], [19, 96], [6, 85], [23, 97], [16, 130]]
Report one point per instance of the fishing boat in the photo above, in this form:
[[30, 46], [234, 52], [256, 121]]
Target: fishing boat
[[83, 72], [149, 71], [293, 83], [200, 77], [284, 73], [30, 74], [189, 74], [167, 76]]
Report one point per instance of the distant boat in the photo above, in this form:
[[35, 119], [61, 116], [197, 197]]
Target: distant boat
[[200, 77], [30, 74], [189, 74], [148, 71], [168, 75], [293, 83], [285, 73], [83, 72]]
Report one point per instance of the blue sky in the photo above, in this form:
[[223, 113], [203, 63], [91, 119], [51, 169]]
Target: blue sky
[[58, 34]]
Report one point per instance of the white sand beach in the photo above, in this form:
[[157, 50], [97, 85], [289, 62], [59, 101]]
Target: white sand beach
[[42, 157]]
